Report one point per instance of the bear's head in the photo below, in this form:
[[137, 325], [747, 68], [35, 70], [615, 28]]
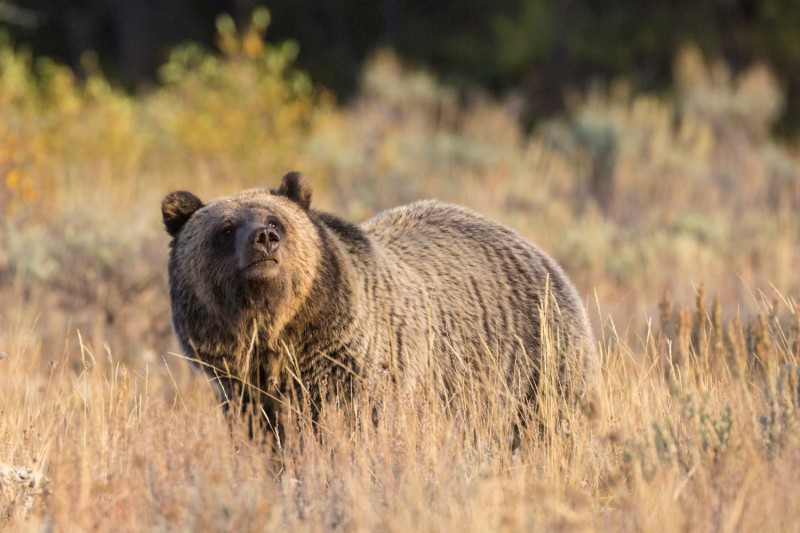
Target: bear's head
[[240, 262]]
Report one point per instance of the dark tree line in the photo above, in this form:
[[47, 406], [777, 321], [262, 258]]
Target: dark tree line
[[537, 46]]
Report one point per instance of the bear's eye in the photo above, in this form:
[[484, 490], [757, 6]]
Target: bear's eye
[[272, 225], [227, 230]]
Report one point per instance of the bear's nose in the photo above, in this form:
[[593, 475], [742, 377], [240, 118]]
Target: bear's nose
[[265, 238]]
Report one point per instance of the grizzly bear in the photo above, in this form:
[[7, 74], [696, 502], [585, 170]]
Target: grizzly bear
[[269, 292]]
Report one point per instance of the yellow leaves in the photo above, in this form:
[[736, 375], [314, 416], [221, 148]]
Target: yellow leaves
[[22, 155], [12, 178], [62, 92], [246, 109], [21, 186], [52, 122], [252, 44], [250, 104]]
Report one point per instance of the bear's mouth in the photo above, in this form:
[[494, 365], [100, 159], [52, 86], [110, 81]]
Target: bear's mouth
[[261, 262], [261, 269], [259, 265]]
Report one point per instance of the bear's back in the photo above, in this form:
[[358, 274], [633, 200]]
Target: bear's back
[[427, 233], [482, 284], [416, 229]]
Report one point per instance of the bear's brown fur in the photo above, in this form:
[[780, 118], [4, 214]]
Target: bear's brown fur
[[278, 293]]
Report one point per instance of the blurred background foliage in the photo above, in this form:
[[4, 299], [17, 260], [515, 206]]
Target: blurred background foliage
[[634, 191], [535, 48]]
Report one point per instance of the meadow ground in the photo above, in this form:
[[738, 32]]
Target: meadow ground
[[677, 218]]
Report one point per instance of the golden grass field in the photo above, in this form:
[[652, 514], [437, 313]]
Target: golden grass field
[[676, 216]]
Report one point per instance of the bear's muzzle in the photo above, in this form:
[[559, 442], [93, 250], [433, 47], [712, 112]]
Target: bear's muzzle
[[258, 250]]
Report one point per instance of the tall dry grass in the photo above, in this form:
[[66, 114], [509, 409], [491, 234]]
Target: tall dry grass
[[707, 442], [676, 217]]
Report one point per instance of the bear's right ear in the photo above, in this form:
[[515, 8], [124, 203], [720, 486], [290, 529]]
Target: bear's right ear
[[177, 208], [296, 188]]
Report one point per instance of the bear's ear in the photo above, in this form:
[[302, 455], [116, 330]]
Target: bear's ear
[[177, 208], [296, 188]]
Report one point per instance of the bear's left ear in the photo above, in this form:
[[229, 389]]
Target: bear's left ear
[[296, 188], [177, 208]]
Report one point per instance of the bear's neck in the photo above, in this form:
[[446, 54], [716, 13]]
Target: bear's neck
[[324, 323]]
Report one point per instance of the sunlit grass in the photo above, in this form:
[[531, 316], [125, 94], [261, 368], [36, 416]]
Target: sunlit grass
[[682, 444]]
